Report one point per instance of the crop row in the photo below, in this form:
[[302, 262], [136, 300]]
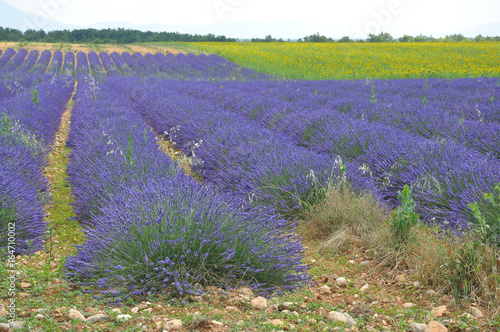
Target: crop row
[[441, 137], [254, 164], [151, 228], [28, 125], [182, 66]]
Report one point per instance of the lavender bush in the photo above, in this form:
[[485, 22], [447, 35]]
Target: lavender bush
[[153, 229]]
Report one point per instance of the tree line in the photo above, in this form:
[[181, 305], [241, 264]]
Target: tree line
[[129, 36], [382, 37], [105, 36]]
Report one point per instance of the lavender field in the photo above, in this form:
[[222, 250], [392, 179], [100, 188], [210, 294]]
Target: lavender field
[[265, 149]]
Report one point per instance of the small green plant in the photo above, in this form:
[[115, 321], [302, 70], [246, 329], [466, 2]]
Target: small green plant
[[403, 220], [5, 125], [373, 98], [128, 152], [487, 214], [50, 235], [34, 96], [424, 100]]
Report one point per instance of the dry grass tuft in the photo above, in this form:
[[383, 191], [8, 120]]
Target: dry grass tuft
[[346, 219], [462, 266]]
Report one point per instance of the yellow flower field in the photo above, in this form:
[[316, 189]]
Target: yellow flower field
[[360, 60]]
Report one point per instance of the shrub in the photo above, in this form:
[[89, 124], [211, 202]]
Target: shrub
[[173, 236]]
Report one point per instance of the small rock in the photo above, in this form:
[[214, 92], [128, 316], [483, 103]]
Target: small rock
[[431, 292], [134, 310], [272, 308], [416, 284], [439, 311], [476, 313], [313, 261], [216, 323], [142, 306], [295, 313], [364, 263], [173, 325], [123, 318], [116, 310], [286, 312], [3, 311], [277, 322], [25, 284], [148, 310], [364, 288], [259, 303], [75, 314], [340, 281], [232, 309], [401, 278], [4, 327], [39, 316], [434, 326], [90, 310], [415, 327], [17, 325], [408, 305], [324, 290], [97, 318], [246, 291], [287, 305], [467, 315], [351, 261], [337, 316]]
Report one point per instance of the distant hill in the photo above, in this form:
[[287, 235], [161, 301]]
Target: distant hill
[[489, 29], [11, 17]]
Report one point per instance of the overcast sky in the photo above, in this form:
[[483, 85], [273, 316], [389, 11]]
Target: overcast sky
[[360, 16]]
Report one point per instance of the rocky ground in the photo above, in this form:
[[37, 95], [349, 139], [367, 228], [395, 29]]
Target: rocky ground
[[348, 293]]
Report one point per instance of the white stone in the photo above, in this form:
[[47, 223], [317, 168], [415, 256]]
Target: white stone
[[123, 318], [324, 290], [408, 305], [342, 317], [364, 288], [340, 281], [415, 327], [434, 326], [476, 313], [75, 314], [173, 325], [439, 311], [97, 318], [259, 303]]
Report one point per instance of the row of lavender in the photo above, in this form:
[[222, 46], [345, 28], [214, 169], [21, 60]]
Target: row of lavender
[[255, 165], [151, 227], [28, 125], [182, 66], [441, 137]]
